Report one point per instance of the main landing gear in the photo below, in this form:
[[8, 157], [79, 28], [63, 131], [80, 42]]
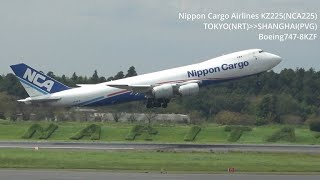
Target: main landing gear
[[156, 103], [258, 83]]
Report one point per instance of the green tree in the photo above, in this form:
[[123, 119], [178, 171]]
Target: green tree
[[268, 108], [95, 78], [74, 78], [110, 78], [12, 86], [119, 75], [131, 72], [102, 79], [51, 74]]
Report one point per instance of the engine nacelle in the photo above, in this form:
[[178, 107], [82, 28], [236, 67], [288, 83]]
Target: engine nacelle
[[189, 89], [163, 91]]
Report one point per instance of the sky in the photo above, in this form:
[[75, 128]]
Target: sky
[[66, 36]]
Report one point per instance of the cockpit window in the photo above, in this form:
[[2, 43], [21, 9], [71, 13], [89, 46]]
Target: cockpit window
[[261, 51]]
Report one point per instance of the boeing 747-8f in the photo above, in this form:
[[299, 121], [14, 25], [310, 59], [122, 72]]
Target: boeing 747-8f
[[155, 88]]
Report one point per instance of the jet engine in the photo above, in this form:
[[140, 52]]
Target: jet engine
[[189, 89], [163, 91]]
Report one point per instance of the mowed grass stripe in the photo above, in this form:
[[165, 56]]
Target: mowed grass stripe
[[155, 161], [116, 132]]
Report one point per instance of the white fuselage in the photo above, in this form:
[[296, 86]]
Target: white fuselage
[[226, 67]]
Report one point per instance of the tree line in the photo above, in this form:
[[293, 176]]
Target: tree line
[[290, 96]]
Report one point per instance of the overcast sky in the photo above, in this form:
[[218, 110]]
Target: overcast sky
[[66, 36]]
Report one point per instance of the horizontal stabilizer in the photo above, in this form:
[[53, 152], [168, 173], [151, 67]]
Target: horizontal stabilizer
[[39, 99]]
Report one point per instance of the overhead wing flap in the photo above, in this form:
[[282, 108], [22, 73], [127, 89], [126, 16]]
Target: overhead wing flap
[[83, 85], [133, 88]]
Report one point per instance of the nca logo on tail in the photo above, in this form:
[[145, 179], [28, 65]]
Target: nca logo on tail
[[38, 79]]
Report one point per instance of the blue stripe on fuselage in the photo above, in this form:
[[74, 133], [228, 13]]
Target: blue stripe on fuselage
[[91, 101]]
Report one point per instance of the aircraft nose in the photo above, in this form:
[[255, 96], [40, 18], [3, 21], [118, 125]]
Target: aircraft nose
[[275, 59]]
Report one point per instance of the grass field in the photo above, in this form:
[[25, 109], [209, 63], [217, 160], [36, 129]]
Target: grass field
[[116, 132], [157, 161]]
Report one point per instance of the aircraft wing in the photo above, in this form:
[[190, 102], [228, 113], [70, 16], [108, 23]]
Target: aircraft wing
[[133, 88], [147, 88]]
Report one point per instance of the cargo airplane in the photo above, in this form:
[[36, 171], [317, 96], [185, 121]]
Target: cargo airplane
[[155, 88]]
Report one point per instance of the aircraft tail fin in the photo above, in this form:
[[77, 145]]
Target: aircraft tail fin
[[35, 82]]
